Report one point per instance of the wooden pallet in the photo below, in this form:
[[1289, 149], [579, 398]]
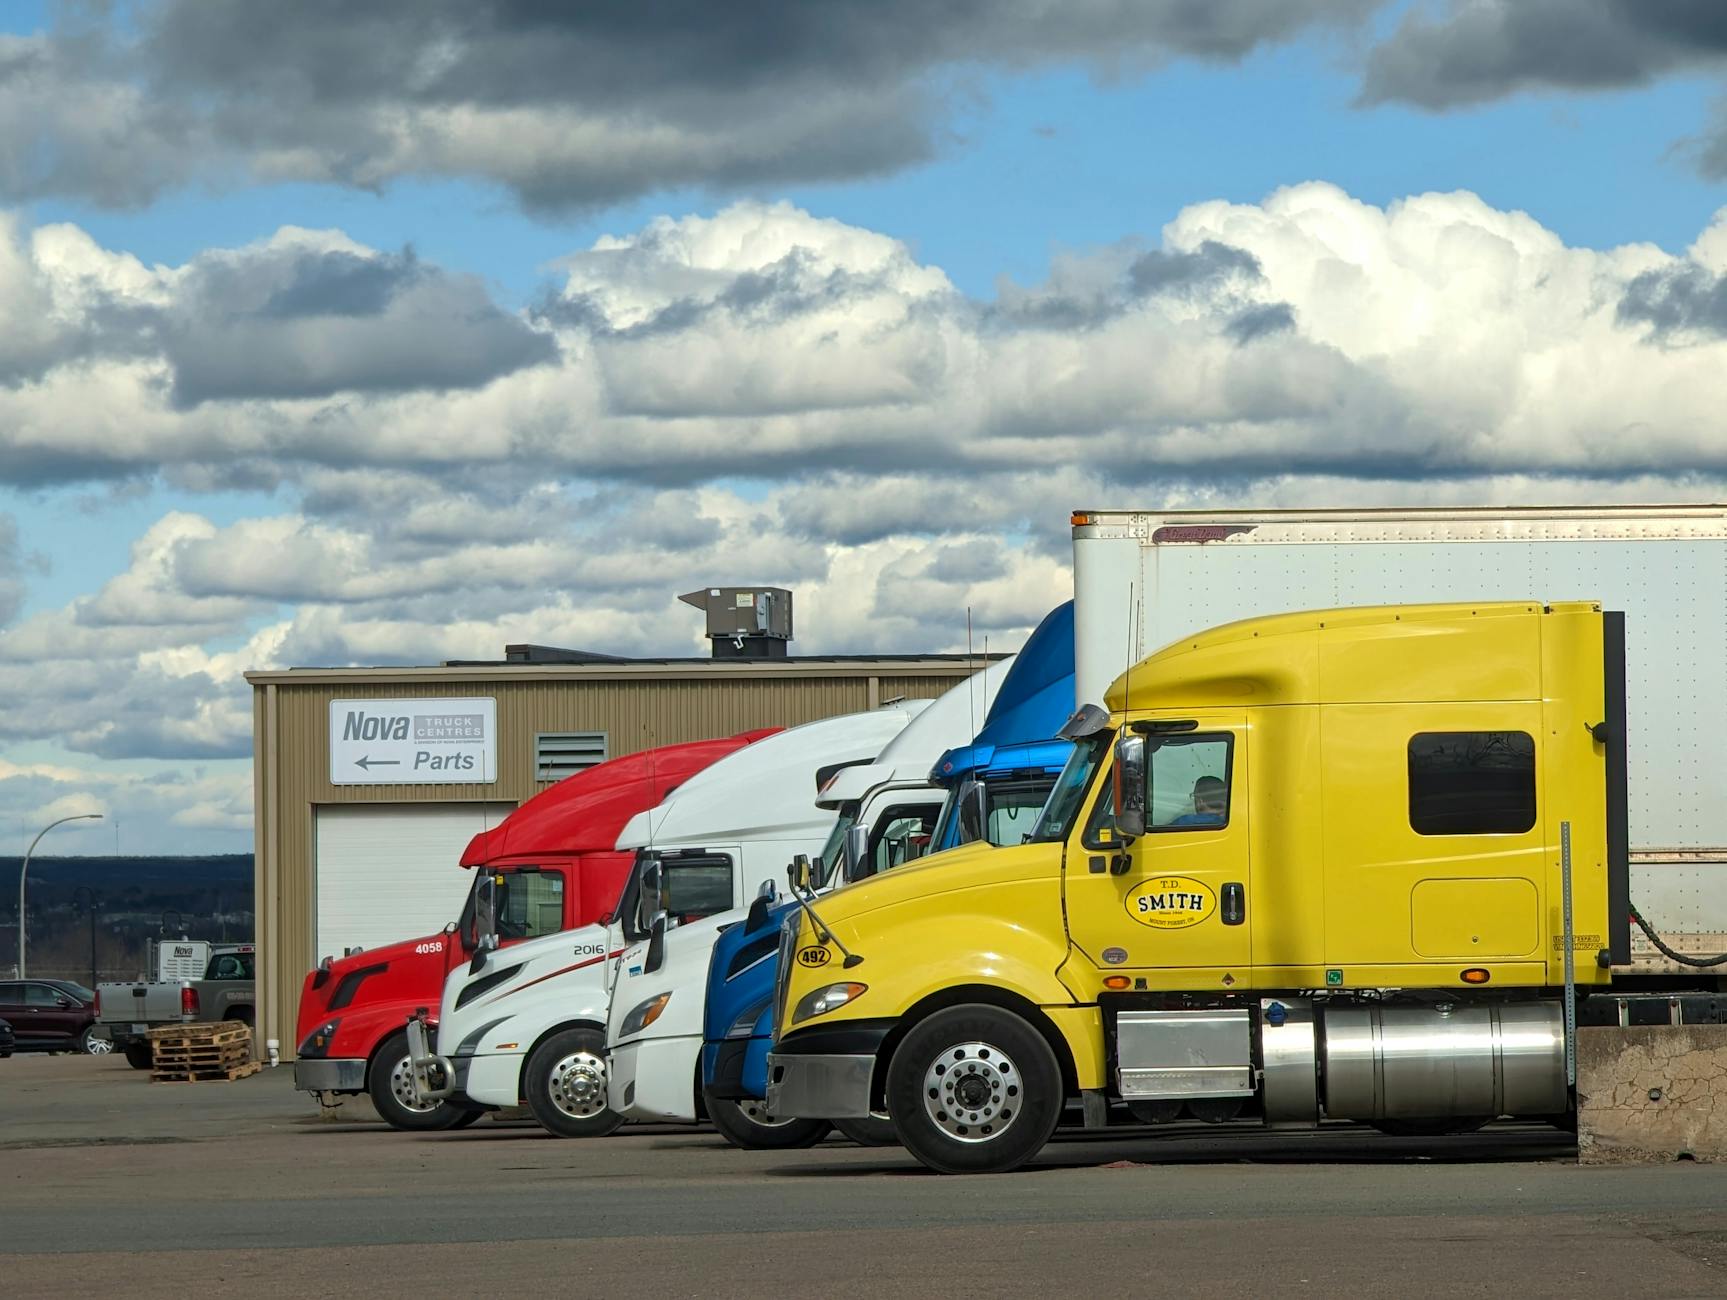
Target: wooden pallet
[[203, 1074], [219, 1034], [201, 1053], [197, 1058]]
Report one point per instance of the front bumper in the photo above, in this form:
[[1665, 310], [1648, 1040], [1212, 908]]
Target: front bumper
[[330, 1074], [653, 1079], [819, 1087]]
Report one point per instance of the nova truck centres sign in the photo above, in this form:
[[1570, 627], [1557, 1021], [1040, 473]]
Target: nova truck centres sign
[[413, 742]]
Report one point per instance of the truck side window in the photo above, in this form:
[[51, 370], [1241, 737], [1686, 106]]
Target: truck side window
[[530, 903], [1188, 779], [903, 835], [1471, 782]]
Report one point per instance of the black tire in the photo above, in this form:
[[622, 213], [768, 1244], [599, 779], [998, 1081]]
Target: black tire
[[744, 1124], [876, 1131], [392, 1095], [138, 1054], [564, 1083], [468, 1117], [91, 1044], [974, 1055]]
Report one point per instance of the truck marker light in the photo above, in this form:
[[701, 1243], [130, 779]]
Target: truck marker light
[[1476, 975], [1116, 982], [502, 1047]]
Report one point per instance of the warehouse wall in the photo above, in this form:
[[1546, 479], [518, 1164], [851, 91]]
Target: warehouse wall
[[291, 767]]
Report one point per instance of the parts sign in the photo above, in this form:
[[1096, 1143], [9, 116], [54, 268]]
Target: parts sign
[[413, 742]]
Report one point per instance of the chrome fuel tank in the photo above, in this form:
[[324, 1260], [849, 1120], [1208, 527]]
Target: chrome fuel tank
[[1419, 1063]]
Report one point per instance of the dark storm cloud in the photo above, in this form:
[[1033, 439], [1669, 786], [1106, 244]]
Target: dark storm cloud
[[565, 104], [299, 322], [1261, 322], [1177, 272], [1490, 48], [1686, 299], [1081, 301]]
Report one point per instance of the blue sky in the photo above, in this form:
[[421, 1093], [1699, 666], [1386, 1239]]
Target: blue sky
[[1035, 158]]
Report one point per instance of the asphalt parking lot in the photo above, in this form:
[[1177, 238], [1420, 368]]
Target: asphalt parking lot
[[110, 1184]]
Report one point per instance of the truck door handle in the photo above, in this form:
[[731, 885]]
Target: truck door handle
[[1234, 903]]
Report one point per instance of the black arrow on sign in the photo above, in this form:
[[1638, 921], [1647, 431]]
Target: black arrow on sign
[[368, 762]]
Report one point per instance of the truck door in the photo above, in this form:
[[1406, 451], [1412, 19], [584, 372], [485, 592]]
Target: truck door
[[1171, 907]]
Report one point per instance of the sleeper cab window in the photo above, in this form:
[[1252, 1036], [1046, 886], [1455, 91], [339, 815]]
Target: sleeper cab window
[[1472, 782]]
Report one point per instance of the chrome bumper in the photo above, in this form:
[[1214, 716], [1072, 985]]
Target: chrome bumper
[[338, 1075], [819, 1087], [434, 1077]]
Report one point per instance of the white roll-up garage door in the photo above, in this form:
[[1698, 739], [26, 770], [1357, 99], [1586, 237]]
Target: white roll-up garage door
[[386, 872]]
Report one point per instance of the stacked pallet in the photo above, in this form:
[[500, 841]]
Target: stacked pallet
[[201, 1053]]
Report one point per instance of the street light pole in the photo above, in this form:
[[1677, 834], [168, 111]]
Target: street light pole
[[24, 874]]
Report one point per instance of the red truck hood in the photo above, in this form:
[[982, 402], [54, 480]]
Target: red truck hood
[[588, 811]]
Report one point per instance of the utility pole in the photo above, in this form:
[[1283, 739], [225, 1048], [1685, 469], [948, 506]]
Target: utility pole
[[24, 874]]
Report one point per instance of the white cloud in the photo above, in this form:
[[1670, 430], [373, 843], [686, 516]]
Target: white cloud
[[769, 396]]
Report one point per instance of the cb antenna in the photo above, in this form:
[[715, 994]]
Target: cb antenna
[[1132, 618], [970, 708]]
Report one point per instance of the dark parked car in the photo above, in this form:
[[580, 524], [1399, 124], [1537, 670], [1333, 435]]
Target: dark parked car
[[7, 1042], [52, 1015]]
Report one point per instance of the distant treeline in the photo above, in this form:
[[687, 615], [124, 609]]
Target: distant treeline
[[137, 899]]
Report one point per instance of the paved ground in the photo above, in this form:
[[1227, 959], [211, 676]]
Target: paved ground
[[111, 1185]]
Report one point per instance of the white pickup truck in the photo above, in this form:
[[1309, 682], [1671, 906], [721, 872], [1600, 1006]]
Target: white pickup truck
[[128, 1009]]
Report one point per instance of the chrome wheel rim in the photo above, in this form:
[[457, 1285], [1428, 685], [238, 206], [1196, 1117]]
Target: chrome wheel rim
[[756, 1112], [578, 1085], [971, 1092], [402, 1088]]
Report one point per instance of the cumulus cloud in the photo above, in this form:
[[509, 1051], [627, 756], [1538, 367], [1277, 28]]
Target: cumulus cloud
[[766, 395], [562, 104]]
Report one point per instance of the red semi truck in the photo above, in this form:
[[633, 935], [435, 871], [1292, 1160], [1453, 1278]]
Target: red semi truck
[[559, 868]]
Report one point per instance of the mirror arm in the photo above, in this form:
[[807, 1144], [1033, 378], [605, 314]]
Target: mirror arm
[[822, 932]]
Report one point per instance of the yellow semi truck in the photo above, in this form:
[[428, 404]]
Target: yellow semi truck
[[1314, 865]]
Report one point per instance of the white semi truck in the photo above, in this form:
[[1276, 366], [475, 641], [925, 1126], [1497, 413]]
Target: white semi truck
[[1143, 579], [886, 809], [528, 1022]]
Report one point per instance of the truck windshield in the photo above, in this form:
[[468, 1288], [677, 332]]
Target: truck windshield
[[827, 870], [1068, 796]]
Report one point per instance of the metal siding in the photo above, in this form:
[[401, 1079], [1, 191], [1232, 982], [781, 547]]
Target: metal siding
[[637, 711]]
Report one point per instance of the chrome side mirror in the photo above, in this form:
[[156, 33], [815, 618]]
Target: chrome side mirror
[[648, 898], [1128, 787], [853, 850]]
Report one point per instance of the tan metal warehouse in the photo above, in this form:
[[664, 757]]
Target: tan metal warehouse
[[328, 822]]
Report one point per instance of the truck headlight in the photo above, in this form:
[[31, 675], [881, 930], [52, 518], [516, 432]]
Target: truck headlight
[[825, 1000], [644, 1015], [745, 1025], [317, 1042]]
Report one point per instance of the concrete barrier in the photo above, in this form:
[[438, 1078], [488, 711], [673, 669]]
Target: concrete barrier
[[1652, 1093]]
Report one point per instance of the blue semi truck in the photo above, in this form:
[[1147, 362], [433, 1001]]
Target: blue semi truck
[[996, 786]]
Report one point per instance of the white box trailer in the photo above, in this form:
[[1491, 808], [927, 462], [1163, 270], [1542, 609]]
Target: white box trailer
[[1145, 578]]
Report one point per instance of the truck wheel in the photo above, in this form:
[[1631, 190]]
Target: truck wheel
[[138, 1054], [91, 1045], [745, 1124], [974, 1090], [876, 1131], [390, 1082], [565, 1085]]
